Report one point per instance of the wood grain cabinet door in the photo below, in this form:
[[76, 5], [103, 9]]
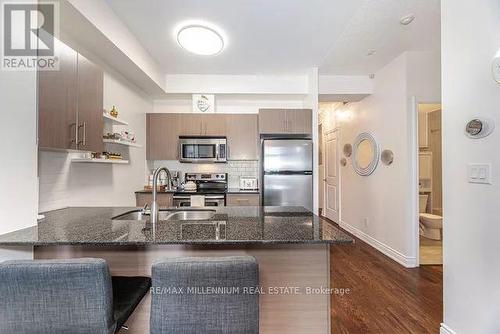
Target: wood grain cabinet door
[[299, 121], [272, 121], [90, 106], [213, 125], [57, 102], [243, 200], [162, 136], [190, 125], [242, 136], [163, 199]]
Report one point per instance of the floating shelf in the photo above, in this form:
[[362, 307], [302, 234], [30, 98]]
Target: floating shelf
[[114, 120], [121, 142], [100, 161]]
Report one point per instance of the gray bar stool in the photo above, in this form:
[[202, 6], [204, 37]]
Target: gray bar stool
[[66, 296], [205, 295]]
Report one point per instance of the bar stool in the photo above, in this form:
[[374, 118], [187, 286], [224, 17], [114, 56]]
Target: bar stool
[[66, 296], [205, 295]]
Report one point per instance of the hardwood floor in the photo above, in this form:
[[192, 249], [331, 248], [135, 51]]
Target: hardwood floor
[[384, 296], [431, 251]]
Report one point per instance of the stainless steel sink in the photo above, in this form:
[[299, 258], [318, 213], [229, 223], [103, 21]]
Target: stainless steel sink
[[191, 215], [178, 215]]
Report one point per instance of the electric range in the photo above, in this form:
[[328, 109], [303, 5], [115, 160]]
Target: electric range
[[211, 185]]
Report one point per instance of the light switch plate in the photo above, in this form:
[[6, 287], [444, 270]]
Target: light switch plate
[[479, 173]]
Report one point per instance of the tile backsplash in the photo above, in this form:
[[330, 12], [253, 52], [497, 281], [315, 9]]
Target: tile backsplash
[[234, 169]]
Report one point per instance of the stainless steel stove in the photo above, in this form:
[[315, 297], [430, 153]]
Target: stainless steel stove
[[212, 186]]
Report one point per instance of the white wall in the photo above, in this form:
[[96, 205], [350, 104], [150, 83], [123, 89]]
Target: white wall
[[377, 207], [63, 183], [18, 147], [470, 39], [230, 104]]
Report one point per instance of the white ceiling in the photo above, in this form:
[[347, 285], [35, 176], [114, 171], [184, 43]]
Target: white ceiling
[[284, 36]]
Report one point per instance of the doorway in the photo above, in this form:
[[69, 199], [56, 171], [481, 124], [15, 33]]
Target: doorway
[[332, 177], [430, 188]]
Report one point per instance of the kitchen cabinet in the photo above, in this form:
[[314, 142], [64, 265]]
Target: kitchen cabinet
[[57, 102], [162, 134], [201, 125], [163, 199], [285, 121], [70, 103], [242, 136], [242, 200], [90, 106], [213, 125]]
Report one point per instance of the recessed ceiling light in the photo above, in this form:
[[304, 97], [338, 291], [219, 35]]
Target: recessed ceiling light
[[406, 20], [200, 40]]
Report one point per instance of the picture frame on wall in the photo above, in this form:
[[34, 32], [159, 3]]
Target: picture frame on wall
[[204, 103]]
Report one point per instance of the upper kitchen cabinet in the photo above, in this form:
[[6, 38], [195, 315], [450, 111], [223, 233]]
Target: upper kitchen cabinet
[[70, 103], [162, 133], [57, 102], [285, 121], [201, 125], [242, 136], [90, 106], [213, 124]]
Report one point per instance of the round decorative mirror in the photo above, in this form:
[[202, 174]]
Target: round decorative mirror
[[365, 154], [347, 150]]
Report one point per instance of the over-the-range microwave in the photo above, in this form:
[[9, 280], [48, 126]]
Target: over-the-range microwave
[[202, 149]]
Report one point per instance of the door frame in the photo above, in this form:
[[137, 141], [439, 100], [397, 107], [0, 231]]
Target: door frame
[[415, 172], [339, 172]]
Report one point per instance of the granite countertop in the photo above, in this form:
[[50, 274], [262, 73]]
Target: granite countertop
[[230, 225]]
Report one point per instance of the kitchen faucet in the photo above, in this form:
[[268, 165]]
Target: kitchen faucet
[[154, 204]]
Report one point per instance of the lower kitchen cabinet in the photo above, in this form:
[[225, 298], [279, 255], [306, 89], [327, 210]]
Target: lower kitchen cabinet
[[163, 199], [243, 200]]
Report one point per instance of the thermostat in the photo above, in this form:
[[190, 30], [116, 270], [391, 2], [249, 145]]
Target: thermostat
[[479, 128], [495, 67]]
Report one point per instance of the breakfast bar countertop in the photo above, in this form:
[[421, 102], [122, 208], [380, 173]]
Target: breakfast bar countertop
[[228, 226]]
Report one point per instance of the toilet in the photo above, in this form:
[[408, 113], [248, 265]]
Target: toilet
[[431, 226]]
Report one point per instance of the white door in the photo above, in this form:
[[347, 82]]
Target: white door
[[332, 179]]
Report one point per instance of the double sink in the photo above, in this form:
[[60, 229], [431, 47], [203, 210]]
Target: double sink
[[194, 224], [169, 215]]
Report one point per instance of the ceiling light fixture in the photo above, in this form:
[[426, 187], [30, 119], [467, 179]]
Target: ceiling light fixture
[[200, 39], [406, 20]]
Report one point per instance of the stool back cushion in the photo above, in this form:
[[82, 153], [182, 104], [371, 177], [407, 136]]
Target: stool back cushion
[[56, 296], [209, 295]]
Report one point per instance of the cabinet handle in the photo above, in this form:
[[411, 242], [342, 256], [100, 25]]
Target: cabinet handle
[[73, 140], [84, 141]]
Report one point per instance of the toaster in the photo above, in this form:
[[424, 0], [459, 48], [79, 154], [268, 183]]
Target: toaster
[[248, 183]]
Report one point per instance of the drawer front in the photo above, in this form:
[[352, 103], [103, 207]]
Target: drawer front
[[163, 199], [243, 200]]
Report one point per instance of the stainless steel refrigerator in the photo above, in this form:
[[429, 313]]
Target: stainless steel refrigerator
[[287, 178]]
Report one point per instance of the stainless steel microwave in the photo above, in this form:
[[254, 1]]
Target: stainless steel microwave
[[202, 149]]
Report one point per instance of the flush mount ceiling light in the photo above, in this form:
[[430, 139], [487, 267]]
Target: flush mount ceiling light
[[200, 39], [406, 20]]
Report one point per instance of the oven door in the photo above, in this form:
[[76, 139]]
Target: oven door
[[210, 200]]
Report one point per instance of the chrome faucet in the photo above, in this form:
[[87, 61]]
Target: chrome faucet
[[154, 204]]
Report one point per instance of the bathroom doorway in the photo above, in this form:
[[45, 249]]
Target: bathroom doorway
[[430, 182]]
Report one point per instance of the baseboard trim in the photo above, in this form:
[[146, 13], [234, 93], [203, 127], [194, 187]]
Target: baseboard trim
[[445, 329], [406, 261]]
